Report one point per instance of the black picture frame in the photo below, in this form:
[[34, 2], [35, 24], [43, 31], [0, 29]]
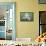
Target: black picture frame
[[26, 16]]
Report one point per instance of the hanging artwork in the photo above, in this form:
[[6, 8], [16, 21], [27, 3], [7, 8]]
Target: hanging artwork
[[26, 16], [42, 1]]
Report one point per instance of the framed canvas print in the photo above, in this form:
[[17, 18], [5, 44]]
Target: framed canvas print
[[26, 16], [42, 1], [7, 20]]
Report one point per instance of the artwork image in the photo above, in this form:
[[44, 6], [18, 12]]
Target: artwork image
[[42, 1], [26, 16]]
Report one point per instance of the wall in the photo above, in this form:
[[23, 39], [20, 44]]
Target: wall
[[27, 29]]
